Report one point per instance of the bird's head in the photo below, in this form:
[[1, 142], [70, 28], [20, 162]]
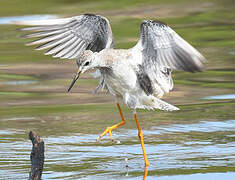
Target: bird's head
[[84, 63]]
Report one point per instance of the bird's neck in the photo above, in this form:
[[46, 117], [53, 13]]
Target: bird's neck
[[100, 61]]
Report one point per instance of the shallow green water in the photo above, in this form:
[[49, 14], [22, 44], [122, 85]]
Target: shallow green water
[[197, 142]]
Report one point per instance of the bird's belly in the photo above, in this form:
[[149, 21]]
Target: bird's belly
[[119, 84]]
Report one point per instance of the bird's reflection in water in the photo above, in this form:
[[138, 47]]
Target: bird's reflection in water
[[145, 173]]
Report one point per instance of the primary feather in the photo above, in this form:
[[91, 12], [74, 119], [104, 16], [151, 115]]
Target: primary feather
[[70, 37]]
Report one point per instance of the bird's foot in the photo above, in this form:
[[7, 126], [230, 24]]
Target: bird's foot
[[108, 130]]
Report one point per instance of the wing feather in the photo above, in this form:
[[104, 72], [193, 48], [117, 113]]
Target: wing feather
[[72, 51], [161, 49], [70, 37], [43, 33], [49, 38], [161, 46], [79, 49], [58, 48], [61, 52], [55, 42]]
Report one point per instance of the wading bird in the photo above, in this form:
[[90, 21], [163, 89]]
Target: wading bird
[[139, 76]]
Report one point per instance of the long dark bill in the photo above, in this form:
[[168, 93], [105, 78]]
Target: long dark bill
[[74, 80]]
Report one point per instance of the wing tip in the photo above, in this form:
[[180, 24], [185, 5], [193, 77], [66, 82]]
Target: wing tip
[[154, 22], [200, 63]]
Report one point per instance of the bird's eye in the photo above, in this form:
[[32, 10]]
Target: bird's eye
[[87, 63]]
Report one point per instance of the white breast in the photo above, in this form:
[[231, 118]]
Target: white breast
[[122, 79]]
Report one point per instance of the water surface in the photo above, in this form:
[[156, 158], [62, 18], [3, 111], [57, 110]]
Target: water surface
[[179, 148]]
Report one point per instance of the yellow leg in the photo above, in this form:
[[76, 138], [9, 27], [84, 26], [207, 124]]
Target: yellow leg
[[109, 129], [140, 134]]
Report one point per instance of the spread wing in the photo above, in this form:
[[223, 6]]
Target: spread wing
[[161, 50], [70, 37], [162, 46]]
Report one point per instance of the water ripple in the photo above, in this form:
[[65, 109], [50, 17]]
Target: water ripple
[[77, 155]]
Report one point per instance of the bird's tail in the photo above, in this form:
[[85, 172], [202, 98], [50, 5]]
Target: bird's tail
[[160, 104], [155, 103]]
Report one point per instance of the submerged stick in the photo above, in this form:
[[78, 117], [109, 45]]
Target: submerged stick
[[36, 157]]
